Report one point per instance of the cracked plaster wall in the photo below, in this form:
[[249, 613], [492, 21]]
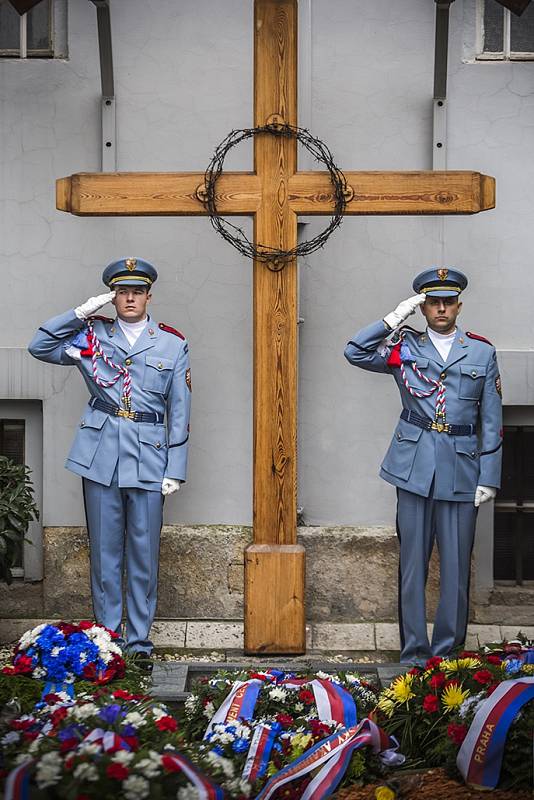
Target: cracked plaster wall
[[183, 75]]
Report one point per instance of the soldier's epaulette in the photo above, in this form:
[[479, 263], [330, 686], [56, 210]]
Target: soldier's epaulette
[[168, 328], [101, 318], [478, 338]]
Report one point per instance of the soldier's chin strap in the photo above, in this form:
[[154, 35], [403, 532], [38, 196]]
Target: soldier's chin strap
[[122, 372]]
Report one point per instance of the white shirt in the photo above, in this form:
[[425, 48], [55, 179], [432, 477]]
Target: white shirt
[[442, 341], [132, 330]]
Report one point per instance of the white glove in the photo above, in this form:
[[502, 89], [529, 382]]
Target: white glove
[[483, 494], [403, 310], [93, 304], [169, 486]]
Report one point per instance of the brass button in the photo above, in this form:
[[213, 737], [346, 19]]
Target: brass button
[[158, 445], [443, 376], [474, 373], [160, 365], [128, 362]]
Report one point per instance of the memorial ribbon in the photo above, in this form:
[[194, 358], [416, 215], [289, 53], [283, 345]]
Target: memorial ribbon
[[259, 752], [238, 705], [480, 756]]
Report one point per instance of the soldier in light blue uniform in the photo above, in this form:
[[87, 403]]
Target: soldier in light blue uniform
[[445, 455], [132, 441]]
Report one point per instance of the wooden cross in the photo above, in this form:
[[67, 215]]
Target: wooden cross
[[275, 194]]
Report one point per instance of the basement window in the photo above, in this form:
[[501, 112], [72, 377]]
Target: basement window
[[514, 508], [503, 36]]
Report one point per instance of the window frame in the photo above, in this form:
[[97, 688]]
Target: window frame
[[58, 37], [506, 54]]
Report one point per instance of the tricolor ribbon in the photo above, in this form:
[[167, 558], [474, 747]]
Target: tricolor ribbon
[[259, 752], [17, 785], [333, 755], [332, 700], [239, 704], [207, 790], [108, 740], [480, 756]]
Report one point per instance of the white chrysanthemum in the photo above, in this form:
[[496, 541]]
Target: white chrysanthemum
[[219, 762], [158, 712], [219, 727], [324, 676], [135, 787], [191, 703], [55, 651], [10, 738], [188, 792], [242, 731], [48, 770], [470, 704], [122, 757], [277, 693], [30, 637], [226, 738], [299, 706], [84, 711], [151, 766], [88, 749], [209, 710], [38, 673], [134, 718], [85, 772], [22, 758]]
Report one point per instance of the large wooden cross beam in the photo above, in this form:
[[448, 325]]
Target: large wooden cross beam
[[275, 194]]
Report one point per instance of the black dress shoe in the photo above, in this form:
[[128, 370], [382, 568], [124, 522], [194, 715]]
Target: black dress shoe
[[143, 661]]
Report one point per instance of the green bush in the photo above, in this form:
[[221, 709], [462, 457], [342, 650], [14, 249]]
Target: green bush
[[17, 510]]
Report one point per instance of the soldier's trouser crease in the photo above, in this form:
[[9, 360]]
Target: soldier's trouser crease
[[124, 525], [420, 521]]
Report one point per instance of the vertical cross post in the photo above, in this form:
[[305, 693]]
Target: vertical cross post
[[274, 564]]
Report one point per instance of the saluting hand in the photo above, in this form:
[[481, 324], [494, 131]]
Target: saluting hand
[[404, 310], [93, 304]]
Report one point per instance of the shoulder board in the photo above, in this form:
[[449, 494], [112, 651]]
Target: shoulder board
[[478, 338], [168, 328], [101, 318]]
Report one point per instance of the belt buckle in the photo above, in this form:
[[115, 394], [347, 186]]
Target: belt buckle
[[123, 412]]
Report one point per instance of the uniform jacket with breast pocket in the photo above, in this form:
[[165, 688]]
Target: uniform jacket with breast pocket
[[144, 452], [418, 458]]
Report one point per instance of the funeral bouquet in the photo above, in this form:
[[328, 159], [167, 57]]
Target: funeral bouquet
[[60, 654], [431, 710]]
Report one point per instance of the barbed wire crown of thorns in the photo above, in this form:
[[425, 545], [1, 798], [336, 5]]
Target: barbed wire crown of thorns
[[273, 257]]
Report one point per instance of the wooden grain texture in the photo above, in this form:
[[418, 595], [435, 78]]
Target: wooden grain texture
[[154, 193], [274, 594], [460, 192]]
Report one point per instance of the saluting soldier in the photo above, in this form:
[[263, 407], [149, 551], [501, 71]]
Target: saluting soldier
[[445, 455], [132, 442]]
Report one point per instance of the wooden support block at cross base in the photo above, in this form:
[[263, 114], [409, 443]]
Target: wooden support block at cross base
[[275, 619]]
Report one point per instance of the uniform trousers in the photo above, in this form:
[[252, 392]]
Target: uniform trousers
[[420, 522], [124, 525]]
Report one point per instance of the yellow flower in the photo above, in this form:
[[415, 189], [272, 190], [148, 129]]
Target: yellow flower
[[456, 664], [384, 793], [401, 688], [386, 704], [453, 696], [301, 740], [527, 669]]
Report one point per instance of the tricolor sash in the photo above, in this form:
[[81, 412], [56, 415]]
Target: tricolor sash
[[480, 756], [207, 790], [259, 752], [17, 785], [238, 705], [333, 754]]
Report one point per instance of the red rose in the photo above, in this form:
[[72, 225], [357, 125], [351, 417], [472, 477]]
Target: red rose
[[117, 771], [170, 765], [431, 703], [85, 624], [285, 720], [8, 670], [30, 735], [318, 729], [414, 671], [432, 662], [306, 696], [491, 659], [68, 744], [132, 742], [437, 680], [58, 715], [166, 724], [483, 676], [24, 664], [457, 732], [122, 694], [467, 654], [52, 699], [67, 628]]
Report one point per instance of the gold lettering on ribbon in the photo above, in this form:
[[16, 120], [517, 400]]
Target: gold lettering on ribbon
[[483, 742], [235, 705]]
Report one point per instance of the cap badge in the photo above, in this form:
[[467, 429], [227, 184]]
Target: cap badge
[[131, 264], [443, 274]]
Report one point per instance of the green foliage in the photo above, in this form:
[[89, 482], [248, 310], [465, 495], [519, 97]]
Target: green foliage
[[17, 510]]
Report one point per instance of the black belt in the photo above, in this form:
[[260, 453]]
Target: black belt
[[116, 411], [428, 424]]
